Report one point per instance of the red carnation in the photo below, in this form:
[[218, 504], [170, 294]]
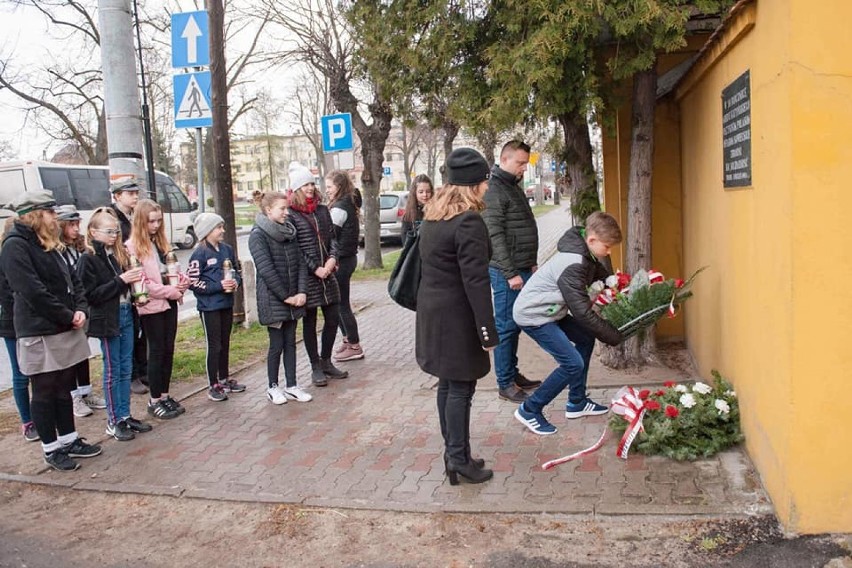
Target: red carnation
[[652, 405], [669, 384], [660, 393], [672, 411], [643, 394], [679, 283], [623, 280]]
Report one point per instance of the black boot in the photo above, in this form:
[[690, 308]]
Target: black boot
[[331, 371], [478, 463], [469, 472], [317, 375]]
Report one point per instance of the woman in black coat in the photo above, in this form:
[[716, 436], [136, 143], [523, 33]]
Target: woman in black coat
[[50, 311], [455, 320], [282, 280], [315, 233]]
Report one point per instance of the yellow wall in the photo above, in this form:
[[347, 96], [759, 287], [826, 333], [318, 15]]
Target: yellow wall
[[772, 312]]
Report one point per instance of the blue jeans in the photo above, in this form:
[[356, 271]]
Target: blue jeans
[[118, 366], [20, 382], [571, 346], [506, 353]]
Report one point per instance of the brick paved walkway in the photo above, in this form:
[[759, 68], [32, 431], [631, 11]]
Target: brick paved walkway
[[372, 441]]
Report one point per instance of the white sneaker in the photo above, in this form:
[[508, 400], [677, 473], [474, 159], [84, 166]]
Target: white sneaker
[[297, 393], [93, 401], [80, 407], [275, 395]]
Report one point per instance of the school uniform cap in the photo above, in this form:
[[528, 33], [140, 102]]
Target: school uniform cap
[[205, 223], [131, 185], [466, 166], [28, 201], [67, 213]]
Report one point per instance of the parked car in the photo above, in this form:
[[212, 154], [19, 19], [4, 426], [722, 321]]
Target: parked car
[[530, 192], [87, 188], [391, 210]]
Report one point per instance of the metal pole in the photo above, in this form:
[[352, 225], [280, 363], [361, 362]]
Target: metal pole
[[146, 115], [199, 152], [121, 94]]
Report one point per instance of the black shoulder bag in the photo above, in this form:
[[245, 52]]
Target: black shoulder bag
[[405, 277]]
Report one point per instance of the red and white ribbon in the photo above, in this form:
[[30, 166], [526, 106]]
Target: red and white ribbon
[[626, 404], [553, 463], [629, 406]]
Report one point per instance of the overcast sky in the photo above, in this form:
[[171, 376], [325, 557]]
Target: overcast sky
[[24, 32]]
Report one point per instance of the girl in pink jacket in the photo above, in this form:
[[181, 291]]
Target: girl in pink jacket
[[148, 244]]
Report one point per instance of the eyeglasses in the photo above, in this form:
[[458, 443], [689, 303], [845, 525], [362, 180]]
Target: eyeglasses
[[111, 232]]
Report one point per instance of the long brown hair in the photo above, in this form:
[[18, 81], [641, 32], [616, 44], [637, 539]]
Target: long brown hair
[[100, 217], [411, 208], [139, 235], [453, 200], [78, 244], [48, 237], [345, 189], [298, 199]]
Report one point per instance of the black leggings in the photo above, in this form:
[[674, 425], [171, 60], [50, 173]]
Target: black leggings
[[348, 324], [282, 341], [51, 406], [217, 330], [454, 400], [80, 377], [161, 330], [331, 317]]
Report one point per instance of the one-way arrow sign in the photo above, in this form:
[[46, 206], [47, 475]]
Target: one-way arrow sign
[[190, 43]]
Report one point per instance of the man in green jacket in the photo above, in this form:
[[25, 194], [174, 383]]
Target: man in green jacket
[[514, 242]]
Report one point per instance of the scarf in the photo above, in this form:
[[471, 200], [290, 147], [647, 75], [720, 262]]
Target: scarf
[[277, 231], [309, 207]]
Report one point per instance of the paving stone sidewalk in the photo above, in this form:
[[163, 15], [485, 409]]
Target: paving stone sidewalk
[[372, 441]]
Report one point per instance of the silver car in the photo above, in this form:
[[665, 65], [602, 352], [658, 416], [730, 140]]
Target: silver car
[[391, 210]]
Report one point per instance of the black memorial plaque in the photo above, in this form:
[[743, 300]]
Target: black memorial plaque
[[736, 132]]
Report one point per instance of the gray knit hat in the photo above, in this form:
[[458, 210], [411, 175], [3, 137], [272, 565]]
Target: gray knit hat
[[205, 223]]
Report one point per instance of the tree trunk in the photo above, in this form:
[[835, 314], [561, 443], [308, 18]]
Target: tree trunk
[[451, 130], [639, 349], [223, 198], [579, 167], [406, 158]]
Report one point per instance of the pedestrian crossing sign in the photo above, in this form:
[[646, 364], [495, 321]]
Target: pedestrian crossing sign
[[193, 108]]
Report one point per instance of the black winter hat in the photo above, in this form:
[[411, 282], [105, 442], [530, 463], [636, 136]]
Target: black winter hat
[[466, 166]]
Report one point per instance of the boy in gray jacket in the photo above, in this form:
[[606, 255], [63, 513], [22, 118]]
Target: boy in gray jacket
[[555, 310]]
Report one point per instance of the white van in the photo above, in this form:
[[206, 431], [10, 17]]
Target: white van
[[87, 188]]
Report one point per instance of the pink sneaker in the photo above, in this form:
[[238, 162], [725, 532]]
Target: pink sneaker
[[349, 353], [342, 347]]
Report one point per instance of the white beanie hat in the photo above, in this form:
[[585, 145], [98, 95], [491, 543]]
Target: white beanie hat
[[300, 175], [205, 223]]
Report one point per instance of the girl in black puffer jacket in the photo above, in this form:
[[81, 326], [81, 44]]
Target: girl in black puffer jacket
[[344, 216], [282, 281], [319, 249]]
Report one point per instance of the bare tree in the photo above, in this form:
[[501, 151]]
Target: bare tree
[[408, 143], [322, 40], [310, 102], [63, 96]]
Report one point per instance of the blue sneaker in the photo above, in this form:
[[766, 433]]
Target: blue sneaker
[[536, 422], [586, 407]]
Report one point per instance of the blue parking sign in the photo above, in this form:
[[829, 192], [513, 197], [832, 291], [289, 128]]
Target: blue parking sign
[[337, 133], [386, 171]]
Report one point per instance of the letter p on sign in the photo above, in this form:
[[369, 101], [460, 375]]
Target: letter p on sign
[[336, 133]]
